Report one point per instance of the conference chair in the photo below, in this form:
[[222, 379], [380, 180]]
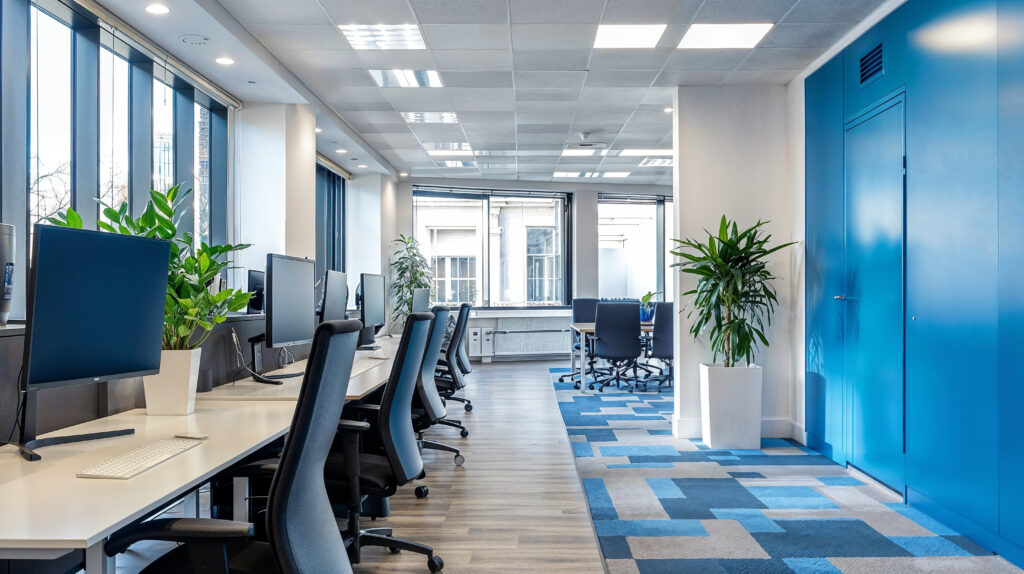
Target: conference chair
[[352, 475], [427, 407], [617, 339], [583, 311], [449, 377], [660, 348], [301, 528]]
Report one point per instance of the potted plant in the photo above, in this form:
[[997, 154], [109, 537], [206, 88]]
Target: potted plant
[[193, 304], [409, 271], [733, 302], [647, 306]]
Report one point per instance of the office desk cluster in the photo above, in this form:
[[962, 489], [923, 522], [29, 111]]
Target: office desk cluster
[[239, 418]]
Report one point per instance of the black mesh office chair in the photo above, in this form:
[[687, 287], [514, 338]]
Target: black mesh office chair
[[301, 527], [661, 345], [352, 475], [617, 339], [449, 378], [583, 311], [427, 407]]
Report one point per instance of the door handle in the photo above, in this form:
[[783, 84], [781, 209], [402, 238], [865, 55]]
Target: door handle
[[840, 298]]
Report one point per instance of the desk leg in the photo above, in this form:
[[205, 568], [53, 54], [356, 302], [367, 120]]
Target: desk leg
[[97, 561], [583, 363], [191, 505], [240, 499]]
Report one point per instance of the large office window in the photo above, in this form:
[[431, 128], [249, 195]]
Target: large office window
[[114, 136], [330, 222], [50, 117], [201, 174], [494, 249], [628, 241], [163, 136]]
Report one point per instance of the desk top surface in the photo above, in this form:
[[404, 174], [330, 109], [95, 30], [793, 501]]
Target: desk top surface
[[44, 505], [368, 374], [590, 327]]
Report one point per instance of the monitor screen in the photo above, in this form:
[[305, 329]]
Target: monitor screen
[[372, 307], [255, 286], [421, 300], [335, 296], [95, 306], [289, 298]]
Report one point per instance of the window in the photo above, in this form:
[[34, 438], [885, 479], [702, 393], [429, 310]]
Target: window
[[671, 273], [330, 218], [628, 258], [201, 174], [494, 249], [114, 137], [163, 136], [50, 117]]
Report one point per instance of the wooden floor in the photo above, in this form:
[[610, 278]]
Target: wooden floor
[[516, 506]]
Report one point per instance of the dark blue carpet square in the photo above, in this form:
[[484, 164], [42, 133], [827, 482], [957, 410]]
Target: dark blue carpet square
[[746, 475], [973, 548], [563, 386], [659, 432], [614, 547], [718, 492], [595, 435], [779, 460], [814, 538], [712, 566]]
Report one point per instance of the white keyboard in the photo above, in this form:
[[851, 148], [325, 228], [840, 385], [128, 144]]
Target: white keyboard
[[139, 460]]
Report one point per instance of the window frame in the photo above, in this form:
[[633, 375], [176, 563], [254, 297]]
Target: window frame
[[661, 213]]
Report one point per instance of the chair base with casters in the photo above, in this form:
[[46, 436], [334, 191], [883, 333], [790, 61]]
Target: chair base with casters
[[663, 377], [428, 444], [618, 376]]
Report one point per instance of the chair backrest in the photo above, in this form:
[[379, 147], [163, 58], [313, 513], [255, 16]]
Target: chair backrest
[[661, 339], [301, 526], [452, 352], [617, 330], [426, 389], [395, 422], [584, 310]]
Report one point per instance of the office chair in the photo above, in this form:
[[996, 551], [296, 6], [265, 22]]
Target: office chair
[[449, 377], [583, 311], [616, 339], [427, 407], [661, 345], [352, 475], [301, 527]]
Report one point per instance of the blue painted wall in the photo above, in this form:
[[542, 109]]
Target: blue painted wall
[[964, 241]]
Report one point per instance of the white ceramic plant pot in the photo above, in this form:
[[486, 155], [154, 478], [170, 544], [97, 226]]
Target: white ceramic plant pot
[[172, 391], [730, 406]]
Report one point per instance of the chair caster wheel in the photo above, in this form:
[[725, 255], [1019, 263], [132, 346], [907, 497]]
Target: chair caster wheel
[[422, 491], [469, 407], [460, 460], [464, 433], [435, 563], [394, 550]]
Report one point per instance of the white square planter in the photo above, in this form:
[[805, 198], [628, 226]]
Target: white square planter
[[730, 406], [172, 391]]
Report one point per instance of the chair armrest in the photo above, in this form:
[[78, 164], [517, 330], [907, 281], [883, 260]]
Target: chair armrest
[[195, 530], [367, 407], [353, 426]]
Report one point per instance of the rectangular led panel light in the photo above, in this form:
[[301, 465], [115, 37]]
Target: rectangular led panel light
[[430, 117], [383, 36], [656, 162], [577, 152], [608, 174], [723, 36], [407, 78], [628, 36], [449, 152], [645, 152]]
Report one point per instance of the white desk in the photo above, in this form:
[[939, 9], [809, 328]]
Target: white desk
[[47, 511], [368, 375]]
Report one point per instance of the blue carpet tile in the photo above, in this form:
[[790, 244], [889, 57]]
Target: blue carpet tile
[[663, 505]]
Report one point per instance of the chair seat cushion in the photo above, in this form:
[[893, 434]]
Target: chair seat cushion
[[420, 420], [250, 558], [375, 474]]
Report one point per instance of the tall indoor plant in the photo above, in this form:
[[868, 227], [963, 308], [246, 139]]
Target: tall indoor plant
[[733, 302], [409, 271], [193, 305]]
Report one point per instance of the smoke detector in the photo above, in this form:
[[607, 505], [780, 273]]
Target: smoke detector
[[587, 143], [195, 40]]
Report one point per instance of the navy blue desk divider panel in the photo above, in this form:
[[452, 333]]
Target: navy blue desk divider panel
[[952, 315], [1011, 274], [824, 385]]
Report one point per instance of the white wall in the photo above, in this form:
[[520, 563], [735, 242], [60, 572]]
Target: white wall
[[732, 158], [364, 251], [300, 181]]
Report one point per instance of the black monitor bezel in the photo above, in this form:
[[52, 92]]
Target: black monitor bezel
[[362, 302], [30, 314], [268, 280], [263, 292]]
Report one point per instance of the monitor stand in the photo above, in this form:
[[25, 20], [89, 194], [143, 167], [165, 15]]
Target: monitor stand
[[367, 339], [255, 342], [28, 444]]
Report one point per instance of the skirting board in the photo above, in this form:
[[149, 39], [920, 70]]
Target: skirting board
[[770, 428]]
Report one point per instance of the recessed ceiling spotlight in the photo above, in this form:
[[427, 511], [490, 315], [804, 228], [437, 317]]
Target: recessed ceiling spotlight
[[362, 166], [403, 174], [225, 61], [628, 36], [383, 36], [407, 78], [724, 36], [318, 130], [194, 39], [668, 110], [157, 9], [341, 151]]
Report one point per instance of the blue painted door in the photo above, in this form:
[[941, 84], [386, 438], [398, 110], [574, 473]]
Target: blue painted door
[[874, 291]]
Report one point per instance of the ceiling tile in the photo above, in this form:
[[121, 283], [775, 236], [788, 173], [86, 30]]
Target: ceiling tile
[[563, 109], [466, 36], [545, 128], [477, 79], [549, 80], [363, 12], [482, 117], [300, 37], [803, 35], [344, 105], [539, 117], [460, 11], [629, 59], [473, 60], [781, 58], [706, 59], [620, 79], [762, 76], [351, 94], [397, 59], [357, 78], [419, 99], [544, 94], [483, 99], [743, 11], [650, 11], [690, 77], [318, 61], [558, 12], [826, 11], [262, 12], [550, 60], [553, 36], [611, 97]]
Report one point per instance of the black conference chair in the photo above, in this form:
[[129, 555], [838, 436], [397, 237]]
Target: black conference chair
[[617, 339], [427, 407], [660, 348], [301, 527], [352, 475], [449, 378]]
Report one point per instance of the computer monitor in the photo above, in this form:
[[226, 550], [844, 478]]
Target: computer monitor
[[421, 300], [371, 302], [95, 313], [289, 300], [255, 286], [335, 303]]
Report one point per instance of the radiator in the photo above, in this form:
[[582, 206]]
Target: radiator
[[532, 336]]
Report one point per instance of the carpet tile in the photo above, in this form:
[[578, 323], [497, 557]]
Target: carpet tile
[[663, 505]]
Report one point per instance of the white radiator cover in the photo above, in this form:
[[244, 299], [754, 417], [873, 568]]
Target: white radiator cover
[[532, 336]]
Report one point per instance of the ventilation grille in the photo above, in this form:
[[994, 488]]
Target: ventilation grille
[[871, 65]]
